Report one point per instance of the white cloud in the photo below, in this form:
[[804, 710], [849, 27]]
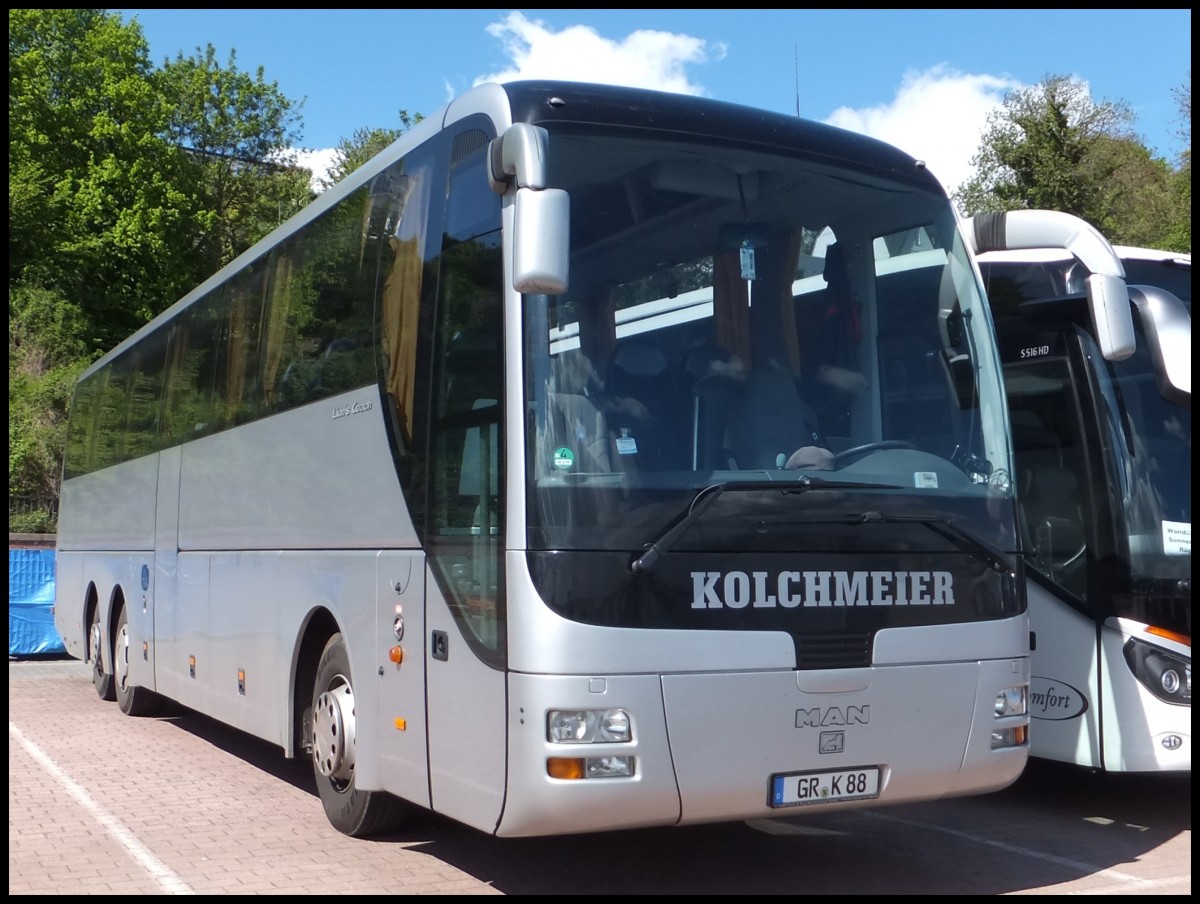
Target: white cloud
[[318, 163], [644, 59], [938, 116]]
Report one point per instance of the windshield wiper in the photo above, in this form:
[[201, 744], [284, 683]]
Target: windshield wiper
[[709, 494], [943, 527]]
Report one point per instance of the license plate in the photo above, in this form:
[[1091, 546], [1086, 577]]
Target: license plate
[[799, 788]]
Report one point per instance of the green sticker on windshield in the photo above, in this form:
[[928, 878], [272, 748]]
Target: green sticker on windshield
[[564, 458]]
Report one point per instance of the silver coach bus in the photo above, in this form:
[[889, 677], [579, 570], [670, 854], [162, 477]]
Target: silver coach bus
[[589, 459]]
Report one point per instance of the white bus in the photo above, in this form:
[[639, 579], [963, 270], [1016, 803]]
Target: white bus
[[392, 492], [1103, 455]]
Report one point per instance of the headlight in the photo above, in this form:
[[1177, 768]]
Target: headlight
[[1010, 701], [1168, 676], [588, 726]]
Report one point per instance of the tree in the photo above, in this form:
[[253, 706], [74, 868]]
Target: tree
[[1051, 146], [45, 356], [127, 187], [364, 144], [1180, 233], [239, 132], [94, 217], [95, 213]]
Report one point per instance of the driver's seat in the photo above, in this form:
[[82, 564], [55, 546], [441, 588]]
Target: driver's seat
[[769, 421], [1053, 519]]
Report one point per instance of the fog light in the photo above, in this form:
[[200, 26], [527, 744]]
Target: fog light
[[572, 768], [609, 767], [1008, 737]]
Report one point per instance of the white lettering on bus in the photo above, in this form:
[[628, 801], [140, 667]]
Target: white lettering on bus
[[356, 408], [811, 589]]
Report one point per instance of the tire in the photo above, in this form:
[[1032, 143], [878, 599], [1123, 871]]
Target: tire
[[102, 681], [356, 813], [133, 700]]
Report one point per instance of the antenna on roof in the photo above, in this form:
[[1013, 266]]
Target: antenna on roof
[[797, 50]]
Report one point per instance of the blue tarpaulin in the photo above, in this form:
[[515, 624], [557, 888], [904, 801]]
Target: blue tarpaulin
[[31, 628]]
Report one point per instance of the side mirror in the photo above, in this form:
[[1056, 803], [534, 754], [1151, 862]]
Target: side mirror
[[541, 217], [1167, 325], [541, 241]]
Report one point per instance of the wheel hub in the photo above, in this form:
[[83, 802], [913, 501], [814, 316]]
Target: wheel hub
[[121, 657], [333, 733]]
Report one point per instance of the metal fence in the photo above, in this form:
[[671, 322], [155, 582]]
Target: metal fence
[[32, 514]]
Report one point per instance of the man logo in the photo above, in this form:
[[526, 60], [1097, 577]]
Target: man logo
[[826, 717]]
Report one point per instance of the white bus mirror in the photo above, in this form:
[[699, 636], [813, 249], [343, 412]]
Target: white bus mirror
[[1112, 319], [1167, 325], [541, 241]]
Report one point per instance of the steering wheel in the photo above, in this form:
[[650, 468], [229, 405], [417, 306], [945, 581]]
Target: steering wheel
[[846, 455]]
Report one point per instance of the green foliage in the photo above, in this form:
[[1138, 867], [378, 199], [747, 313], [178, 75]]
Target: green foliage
[[238, 131], [1179, 236], [364, 144], [1052, 147], [38, 521], [37, 412], [45, 355], [92, 179], [128, 186]]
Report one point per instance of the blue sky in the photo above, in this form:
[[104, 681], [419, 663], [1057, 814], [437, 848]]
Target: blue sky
[[924, 80]]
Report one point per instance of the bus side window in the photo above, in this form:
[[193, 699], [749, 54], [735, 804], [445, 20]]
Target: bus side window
[[466, 465]]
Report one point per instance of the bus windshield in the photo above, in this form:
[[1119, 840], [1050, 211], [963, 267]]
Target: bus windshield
[[1157, 457], [736, 314], [1136, 436], [1157, 434]]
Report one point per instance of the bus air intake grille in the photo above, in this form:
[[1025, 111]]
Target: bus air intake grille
[[834, 651]]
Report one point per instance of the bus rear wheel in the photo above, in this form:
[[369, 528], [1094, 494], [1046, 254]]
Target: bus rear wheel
[[102, 680], [351, 811], [133, 700]]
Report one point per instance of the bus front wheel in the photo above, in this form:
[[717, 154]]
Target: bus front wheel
[[351, 811], [102, 680]]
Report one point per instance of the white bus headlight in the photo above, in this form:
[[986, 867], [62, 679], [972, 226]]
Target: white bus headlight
[[1010, 701], [1168, 676], [588, 726]]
